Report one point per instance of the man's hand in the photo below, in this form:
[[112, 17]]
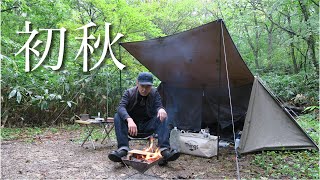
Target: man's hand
[[132, 127], [162, 114]]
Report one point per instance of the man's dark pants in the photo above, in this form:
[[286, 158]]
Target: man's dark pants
[[151, 126]]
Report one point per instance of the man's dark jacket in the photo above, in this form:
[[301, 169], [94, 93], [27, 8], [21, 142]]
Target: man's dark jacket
[[129, 100]]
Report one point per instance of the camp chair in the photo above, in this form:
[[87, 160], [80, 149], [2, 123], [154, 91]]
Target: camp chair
[[143, 137]]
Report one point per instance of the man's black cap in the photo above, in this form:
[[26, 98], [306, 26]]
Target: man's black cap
[[145, 78]]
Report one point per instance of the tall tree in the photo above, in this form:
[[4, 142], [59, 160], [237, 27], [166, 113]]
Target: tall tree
[[310, 37], [290, 14]]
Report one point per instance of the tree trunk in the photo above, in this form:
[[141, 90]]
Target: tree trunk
[[310, 38], [270, 42], [270, 49], [254, 47], [256, 50], [312, 51], [294, 60]]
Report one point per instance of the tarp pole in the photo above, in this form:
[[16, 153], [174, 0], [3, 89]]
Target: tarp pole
[[107, 86], [218, 119]]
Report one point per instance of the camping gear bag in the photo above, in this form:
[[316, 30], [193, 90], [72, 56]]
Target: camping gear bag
[[199, 144]]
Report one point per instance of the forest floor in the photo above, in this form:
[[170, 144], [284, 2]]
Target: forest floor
[[58, 155]]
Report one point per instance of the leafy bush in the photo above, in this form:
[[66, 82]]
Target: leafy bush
[[310, 124], [288, 86]]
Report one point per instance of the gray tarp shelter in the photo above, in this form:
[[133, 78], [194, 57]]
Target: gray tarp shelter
[[194, 89]]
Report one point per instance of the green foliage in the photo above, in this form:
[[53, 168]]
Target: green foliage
[[28, 134], [311, 108], [288, 86], [51, 91], [277, 30], [10, 134], [288, 164], [310, 123], [293, 164]]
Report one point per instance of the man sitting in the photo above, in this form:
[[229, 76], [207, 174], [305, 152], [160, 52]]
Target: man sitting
[[141, 111]]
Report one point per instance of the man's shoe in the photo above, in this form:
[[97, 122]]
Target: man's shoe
[[162, 162], [170, 155], [116, 156]]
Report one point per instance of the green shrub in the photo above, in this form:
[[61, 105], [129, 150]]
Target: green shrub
[[288, 86]]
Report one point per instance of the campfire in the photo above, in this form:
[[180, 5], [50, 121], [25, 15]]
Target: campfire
[[142, 160]]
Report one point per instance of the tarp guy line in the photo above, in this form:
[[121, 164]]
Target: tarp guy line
[[230, 100]]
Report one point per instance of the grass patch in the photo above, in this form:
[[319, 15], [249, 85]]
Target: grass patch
[[288, 164], [10, 133], [292, 164], [28, 134]]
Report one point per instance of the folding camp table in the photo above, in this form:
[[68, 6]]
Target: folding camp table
[[91, 124]]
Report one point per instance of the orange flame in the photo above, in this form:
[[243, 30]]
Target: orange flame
[[152, 154], [150, 148], [149, 154]]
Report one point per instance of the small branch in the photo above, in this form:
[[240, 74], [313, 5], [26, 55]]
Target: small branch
[[315, 3], [278, 25], [14, 7]]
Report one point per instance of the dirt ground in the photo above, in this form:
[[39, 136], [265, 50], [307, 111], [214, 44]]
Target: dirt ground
[[59, 156]]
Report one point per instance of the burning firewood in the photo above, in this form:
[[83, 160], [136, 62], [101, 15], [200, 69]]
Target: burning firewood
[[143, 156], [142, 160]]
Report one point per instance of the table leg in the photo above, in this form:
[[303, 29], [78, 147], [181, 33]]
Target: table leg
[[89, 135], [107, 132]]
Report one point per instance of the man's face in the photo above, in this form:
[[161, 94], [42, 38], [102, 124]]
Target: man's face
[[144, 90]]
